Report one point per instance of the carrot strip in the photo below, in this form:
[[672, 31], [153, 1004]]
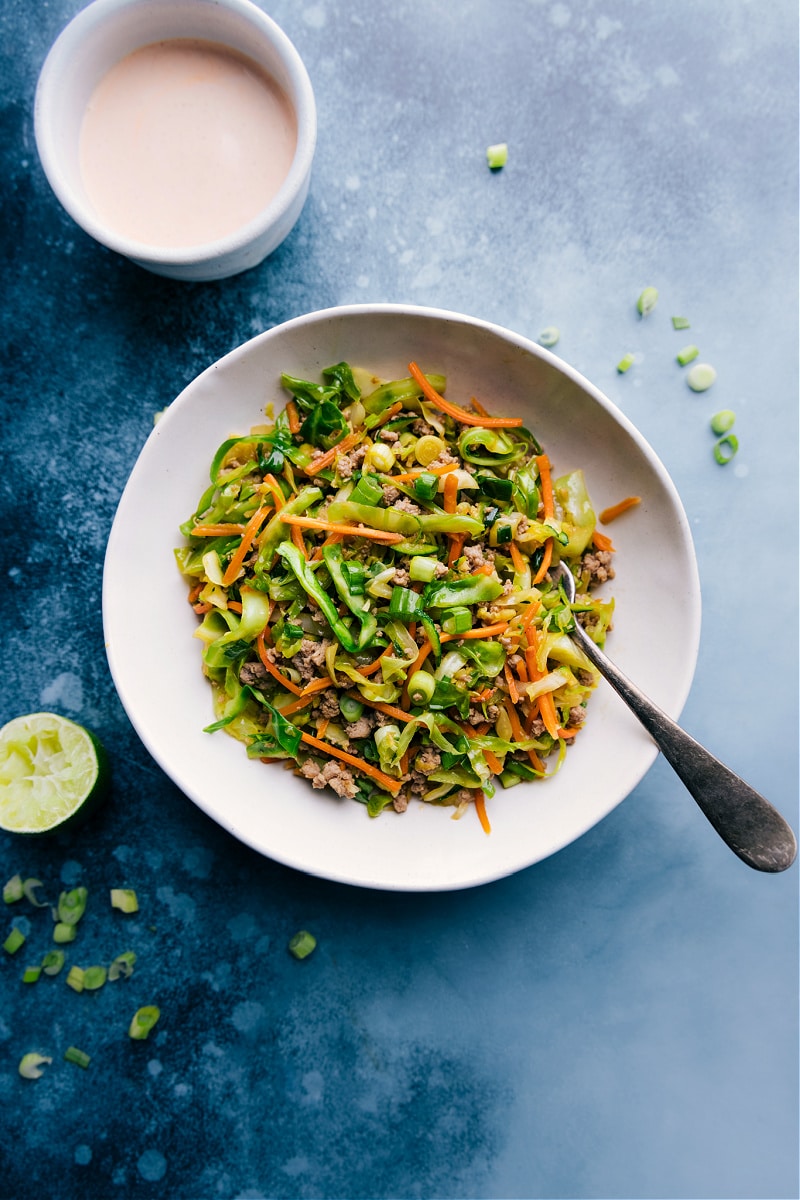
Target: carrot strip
[[297, 538], [325, 460], [516, 728], [453, 410], [493, 762], [388, 709], [476, 404], [235, 606], [545, 478], [391, 785], [547, 711], [322, 727], [378, 535], [331, 540], [566, 733], [273, 670], [275, 490], [292, 417], [202, 608], [516, 558], [484, 569], [316, 685], [392, 411], [373, 666], [544, 565], [251, 529], [450, 493], [601, 541], [480, 809], [512, 684], [456, 546], [616, 510], [484, 631], [296, 705], [404, 763], [216, 530]]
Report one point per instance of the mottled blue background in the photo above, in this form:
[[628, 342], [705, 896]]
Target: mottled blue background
[[620, 1020]]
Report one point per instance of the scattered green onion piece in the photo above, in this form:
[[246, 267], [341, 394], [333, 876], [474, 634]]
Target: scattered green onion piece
[[680, 323], [723, 421], [293, 632], [426, 486], [356, 577], [63, 933], [423, 569], [122, 966], [504, 533], [701, 377], [625, 364], [381, 457], [350, 708], [75, 979], [302, 944], [94, 978], [29, 888], [368, 490], [29, 1065], [73, 1055], [497, 155], [458, 620], [647, 301], [125, 899], [143, 1021], [496, 489], [421, 687], [726, 448], [428, 448], [52, 962], [490, 515], [404, 604], [31, 974], [72, 905], [15, 939], [549, 336], [13, 890], [687, 355]]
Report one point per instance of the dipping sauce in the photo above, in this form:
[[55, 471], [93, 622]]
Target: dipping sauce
[[183, 142]]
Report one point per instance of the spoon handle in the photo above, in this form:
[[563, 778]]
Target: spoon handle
[[748, 823]]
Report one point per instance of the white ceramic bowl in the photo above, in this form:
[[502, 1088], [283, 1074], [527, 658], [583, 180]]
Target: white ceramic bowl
[[97, 38], [155, 661]]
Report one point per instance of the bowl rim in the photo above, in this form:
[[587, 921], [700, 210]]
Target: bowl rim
[[681, 685], [303, 103]]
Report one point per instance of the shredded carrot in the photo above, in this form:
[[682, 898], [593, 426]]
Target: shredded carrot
[[601, 541], [456, 546], [391, 785], [543, 464], [493, 762], [484, 569], [331, 540], [392, 411], [547, 711], [292, 417], [530, 661], [566, 733], [373, 666], [522, 671], [316, 685], [476, 404], [404, 763], [512, 684], [275, 490], [297, 538], [536, 762], [234, 606], [516, 558], [516, 728], [322, 727], [273, 670], [450, 493], [296, 705], [388, 709], [544, 565], [202, 608], [377, 535], [480, 809], [453, 410], [325, 460], [195, 590], [216, 530], [251, 529], [616, 510], [408, 476], [481, 631], [486, 694]]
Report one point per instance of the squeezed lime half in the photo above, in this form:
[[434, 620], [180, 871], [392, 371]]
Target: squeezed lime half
[[53, 773]]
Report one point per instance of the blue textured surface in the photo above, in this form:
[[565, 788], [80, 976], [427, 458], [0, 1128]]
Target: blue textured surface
[[620, 1020]]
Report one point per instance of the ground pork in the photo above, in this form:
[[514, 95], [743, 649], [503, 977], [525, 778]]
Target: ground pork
[[584, 677], [427, 760], [577, 715], [422, 429], [476, 556], [598, 564], [418, 784], [310, 657], [443, 460], [333, 775], [400, 801], [406, 505], [347, 463], [253, 673], [360, 728], [401, 578], [388, 435]]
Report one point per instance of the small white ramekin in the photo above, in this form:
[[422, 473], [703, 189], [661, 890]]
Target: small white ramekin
[[97, 38]]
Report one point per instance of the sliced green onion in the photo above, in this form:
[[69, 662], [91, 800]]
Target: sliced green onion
[[422, 569], [29, 888], [687, 355], [125, 899], [722, 421], [428, 448], [497, 155], [701, 377], [680, 323], [122, 966], [63, 933], [350, 708], [726, 448], [625, 363], [53, 961], [13, 890], [404, 604], [496, 489], [356, 577], [75, 979], [94, 978], [302, 944], [79, 1057], [421, 687], [458, 620], [29, 1065], [368, 490], [504, 532], [426, 486], [549, 336], [143, 1021], [72, 905], [31, 974], [647, 301], [381, 457], [15, 939]]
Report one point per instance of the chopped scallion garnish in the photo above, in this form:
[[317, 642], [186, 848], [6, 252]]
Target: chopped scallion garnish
[[75, 979], [549, 336], [625, 363], [726, 448], [701, 377], [687, 355], [680, 323], [30, 1065], [143, 1021], [13, 890], [122, 966], [497, 155], [94, 978], [125, 899], [72, 905], [53, 961], [63, 933], [79, 1057], [647, 301], [302, 944], [31, 974], [723, 421], [15, 939]]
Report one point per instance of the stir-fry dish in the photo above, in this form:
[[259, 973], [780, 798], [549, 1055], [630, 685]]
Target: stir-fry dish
[[379, 612]]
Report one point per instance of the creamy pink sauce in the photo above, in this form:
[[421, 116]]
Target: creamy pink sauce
[[183, 142]]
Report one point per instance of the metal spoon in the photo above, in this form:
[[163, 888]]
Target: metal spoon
[[748, 823]]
